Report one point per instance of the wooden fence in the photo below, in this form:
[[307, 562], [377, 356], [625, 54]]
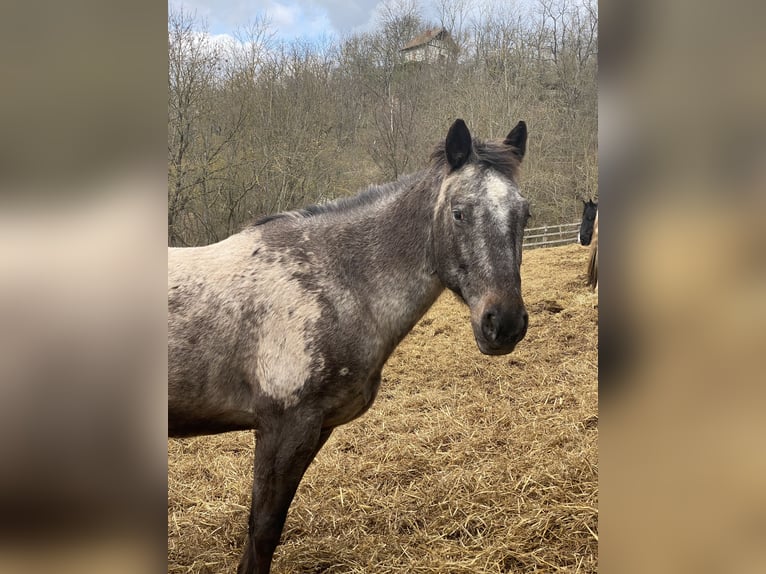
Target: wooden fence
[[549, 235]]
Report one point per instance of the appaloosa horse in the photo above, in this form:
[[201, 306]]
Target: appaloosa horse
[[284, 328]]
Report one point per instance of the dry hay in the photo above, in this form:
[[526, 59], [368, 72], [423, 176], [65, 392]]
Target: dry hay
[[465, 463]]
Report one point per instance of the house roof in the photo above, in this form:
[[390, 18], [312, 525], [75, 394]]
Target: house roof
[[427, 36]]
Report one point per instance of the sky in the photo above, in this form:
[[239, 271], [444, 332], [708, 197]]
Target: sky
[[316, 21], [291, 19]]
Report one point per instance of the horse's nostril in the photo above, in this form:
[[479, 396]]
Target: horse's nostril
[[501, 327], [489, 325]]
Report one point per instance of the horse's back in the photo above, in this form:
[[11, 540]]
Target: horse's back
[[204, 263]]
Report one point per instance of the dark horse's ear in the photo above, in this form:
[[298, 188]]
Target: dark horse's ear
[[458, 144], [518, 139]]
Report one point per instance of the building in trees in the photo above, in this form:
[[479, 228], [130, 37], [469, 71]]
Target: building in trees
[[433, 45]]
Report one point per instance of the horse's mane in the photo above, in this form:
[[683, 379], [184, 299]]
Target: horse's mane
[[491, 153], [370, 195], [494, 154]]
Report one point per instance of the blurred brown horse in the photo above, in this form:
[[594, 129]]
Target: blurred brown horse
[[593, 261]]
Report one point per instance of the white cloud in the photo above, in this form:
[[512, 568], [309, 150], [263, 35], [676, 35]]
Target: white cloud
[[289, 18], [346, 15], [281, 15]]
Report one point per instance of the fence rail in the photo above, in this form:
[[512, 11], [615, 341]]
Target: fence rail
[[549, 235]]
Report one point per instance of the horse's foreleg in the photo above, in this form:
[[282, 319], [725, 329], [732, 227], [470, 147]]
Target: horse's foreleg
[[283, 452]]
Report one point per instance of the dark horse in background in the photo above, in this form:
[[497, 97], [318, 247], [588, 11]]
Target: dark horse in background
[[588, 219], [284, 328]]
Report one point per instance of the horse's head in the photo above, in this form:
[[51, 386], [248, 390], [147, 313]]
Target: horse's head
[[478, 230], [589, 211]]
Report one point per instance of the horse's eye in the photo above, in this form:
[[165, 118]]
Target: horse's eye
[[457, 214]]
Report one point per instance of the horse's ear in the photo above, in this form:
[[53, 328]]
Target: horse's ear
[[518, 139], [458, 144]]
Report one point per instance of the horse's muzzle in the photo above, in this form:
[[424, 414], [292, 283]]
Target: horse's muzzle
[[501, 328]]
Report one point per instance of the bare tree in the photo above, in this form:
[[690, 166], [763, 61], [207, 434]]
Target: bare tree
[[259, 126], [454, 16], [192, 62], [396, 102]]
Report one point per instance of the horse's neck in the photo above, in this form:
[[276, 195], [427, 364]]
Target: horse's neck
[[395, 254]]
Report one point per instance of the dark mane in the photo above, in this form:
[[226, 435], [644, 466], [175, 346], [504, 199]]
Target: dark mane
[[366, 197], [490, 153]]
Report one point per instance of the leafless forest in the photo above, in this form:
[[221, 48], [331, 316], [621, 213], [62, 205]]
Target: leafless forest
[[259, 125]]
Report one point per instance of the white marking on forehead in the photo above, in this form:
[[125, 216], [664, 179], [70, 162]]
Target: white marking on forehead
[[502, 194]]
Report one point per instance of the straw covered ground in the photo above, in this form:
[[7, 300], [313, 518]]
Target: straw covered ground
[[465, 463]]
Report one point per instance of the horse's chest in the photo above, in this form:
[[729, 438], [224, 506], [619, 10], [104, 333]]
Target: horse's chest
[[347, 397]]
